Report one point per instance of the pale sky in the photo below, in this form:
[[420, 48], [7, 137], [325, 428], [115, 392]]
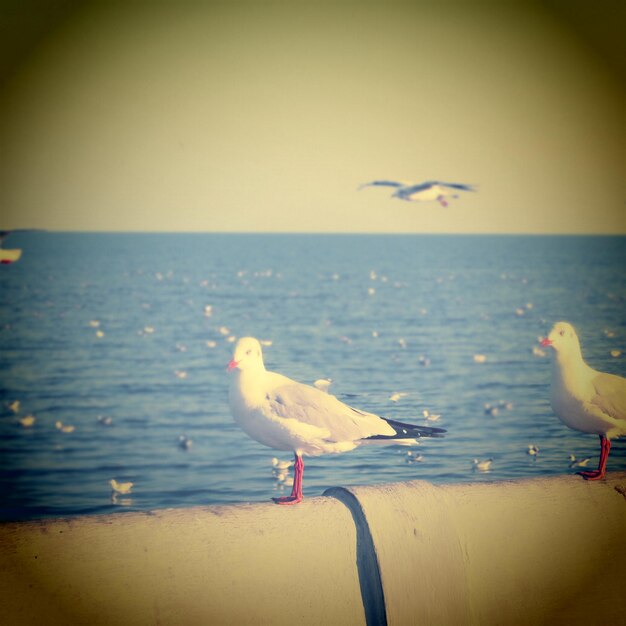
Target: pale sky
[[266, 116]]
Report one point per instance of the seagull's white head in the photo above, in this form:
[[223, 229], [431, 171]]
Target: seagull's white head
[[247, 355], [563, 339]]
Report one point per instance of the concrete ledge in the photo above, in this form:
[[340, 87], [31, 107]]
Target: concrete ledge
[[245, 564], [541, 551]]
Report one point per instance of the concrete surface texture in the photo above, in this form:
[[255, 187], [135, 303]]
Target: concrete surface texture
[[540, 551]]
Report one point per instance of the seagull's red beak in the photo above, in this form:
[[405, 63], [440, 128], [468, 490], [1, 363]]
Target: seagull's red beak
[[232, 364], [546, 342]]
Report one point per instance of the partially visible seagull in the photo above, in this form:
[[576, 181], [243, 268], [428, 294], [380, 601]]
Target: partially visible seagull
[[422, 192], [323, 384], [8, 256], [583, 398], [286, 415]]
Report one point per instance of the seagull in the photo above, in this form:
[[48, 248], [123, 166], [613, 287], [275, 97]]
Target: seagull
[[323, 384], [120, 488], [422, 192], [430, 417], [583, 398], [185, 442], [573, 461], [414, 458], [398, 395], [286, 415], [483, 466], [64, 428], [281, 466], [27, 421], [8, 256], [533, 450]]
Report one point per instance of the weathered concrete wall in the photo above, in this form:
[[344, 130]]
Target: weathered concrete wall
[[542, 551], [247, 564]]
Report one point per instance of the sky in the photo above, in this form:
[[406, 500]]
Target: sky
[[267, 116]]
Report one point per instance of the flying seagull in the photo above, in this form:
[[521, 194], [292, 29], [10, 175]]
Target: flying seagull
[[583, 398], [8, 256], [286, 415], [422, 192]]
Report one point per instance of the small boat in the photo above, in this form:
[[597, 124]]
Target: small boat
[[7, 255]]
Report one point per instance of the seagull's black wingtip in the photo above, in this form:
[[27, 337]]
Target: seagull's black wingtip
[[410, 431]]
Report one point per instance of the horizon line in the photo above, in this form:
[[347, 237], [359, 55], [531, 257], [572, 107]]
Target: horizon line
[[316, 233]]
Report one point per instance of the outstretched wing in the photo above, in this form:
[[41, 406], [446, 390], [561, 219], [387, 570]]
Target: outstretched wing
[[410, 192], [460, 186], [382, 183], [405, 193]]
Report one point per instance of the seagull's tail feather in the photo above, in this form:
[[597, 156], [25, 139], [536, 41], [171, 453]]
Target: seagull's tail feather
[[408, 431]]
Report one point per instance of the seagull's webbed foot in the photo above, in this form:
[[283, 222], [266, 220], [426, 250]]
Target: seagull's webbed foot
[[442, 201], [288, 500], [593, 475]]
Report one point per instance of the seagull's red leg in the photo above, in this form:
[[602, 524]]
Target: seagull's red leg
[[296, 491], [442, 201], [605, 448]]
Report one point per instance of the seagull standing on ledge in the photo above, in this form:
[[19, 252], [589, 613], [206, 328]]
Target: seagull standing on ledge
[[422, 192], [286, 415], [583, 398]]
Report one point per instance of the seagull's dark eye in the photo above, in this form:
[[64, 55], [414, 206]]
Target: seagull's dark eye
[[248, 352], [561, 332]]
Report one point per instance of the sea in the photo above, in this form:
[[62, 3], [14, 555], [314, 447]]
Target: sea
[[117, 345]]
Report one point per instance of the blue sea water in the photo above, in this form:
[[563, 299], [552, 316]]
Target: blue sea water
[[116, 326]]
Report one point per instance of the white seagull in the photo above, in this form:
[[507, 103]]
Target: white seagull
[[286, 415], [533, 450], [422, 192], [583, 398], [483, 466], [120, 488]]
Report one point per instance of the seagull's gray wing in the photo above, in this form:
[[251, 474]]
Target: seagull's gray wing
[[410, 189], [405, 193], [382, 183], [610, 394], [307, 405], [460, 186]]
